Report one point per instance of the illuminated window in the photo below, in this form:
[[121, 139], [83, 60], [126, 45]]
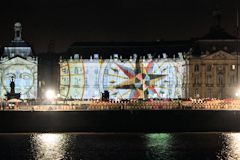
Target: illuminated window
[[233, 67]]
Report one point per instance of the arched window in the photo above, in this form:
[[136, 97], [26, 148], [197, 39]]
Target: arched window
[[18, 33], [196, 68], [209, 67]]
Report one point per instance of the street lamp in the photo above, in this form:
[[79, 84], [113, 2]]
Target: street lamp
[[50, 94], [237, 94]]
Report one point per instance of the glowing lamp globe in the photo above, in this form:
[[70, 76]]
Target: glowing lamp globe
[[50, 94]]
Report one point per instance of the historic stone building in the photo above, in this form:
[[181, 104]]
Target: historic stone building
[[213, 64], [213, 75], [203, 67], [127, 70], [18, 62]]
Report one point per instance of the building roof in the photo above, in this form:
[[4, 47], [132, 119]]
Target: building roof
[[217, 33], [127, 49], [216, 39]]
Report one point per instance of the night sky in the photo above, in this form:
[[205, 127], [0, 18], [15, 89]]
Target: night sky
[[67, 21]]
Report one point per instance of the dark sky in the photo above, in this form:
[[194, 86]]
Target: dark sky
[[67, 21]]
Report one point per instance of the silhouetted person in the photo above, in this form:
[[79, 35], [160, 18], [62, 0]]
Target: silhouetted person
[[12, 86]]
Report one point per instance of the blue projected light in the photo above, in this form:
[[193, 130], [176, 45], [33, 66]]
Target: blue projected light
[[25, 76]]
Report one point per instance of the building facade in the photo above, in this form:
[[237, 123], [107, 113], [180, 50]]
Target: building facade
[[133, 78], [198, 68], [213, 75], [18, 62], [213, 64]]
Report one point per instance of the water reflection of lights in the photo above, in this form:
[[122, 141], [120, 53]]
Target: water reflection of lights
[[231, 146], [158, 145], [49, 146]]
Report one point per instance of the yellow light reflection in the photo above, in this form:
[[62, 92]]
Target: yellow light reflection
[[234, 146], [49, 146], [231, 148], [50, 139]]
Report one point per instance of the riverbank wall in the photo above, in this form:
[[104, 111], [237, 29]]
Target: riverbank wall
[[145, 121]]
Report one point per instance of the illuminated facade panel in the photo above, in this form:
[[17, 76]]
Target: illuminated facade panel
[[124, 79], [24, 72], [17, 62]]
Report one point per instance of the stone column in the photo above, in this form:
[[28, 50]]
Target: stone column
[[214, 79], [203, 82], [226, 78]]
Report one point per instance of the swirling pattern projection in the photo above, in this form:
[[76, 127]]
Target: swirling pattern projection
[[24, 73], [124, 79]]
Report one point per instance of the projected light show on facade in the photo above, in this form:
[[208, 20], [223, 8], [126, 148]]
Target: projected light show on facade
[[123, 78], [24, 73], [18, 63]]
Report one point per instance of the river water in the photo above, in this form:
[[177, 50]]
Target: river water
[[118, 146]]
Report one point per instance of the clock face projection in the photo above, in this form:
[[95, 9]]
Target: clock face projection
[[170, 86], [81, 79], [72, 80], [145, 79], [118, 79], [24, 74], [124, 79]]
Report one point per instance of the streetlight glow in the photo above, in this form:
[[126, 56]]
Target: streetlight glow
[[50, 94]]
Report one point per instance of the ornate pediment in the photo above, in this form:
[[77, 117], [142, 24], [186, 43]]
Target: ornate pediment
[[220, 55], [19, 60]]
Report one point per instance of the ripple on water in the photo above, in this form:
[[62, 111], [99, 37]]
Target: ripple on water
[[120, 146]]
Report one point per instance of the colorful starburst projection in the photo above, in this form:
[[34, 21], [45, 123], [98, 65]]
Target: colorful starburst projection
[[140, 80]]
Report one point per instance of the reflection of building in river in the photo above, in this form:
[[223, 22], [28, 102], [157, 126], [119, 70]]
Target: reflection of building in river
[[18, 61]]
